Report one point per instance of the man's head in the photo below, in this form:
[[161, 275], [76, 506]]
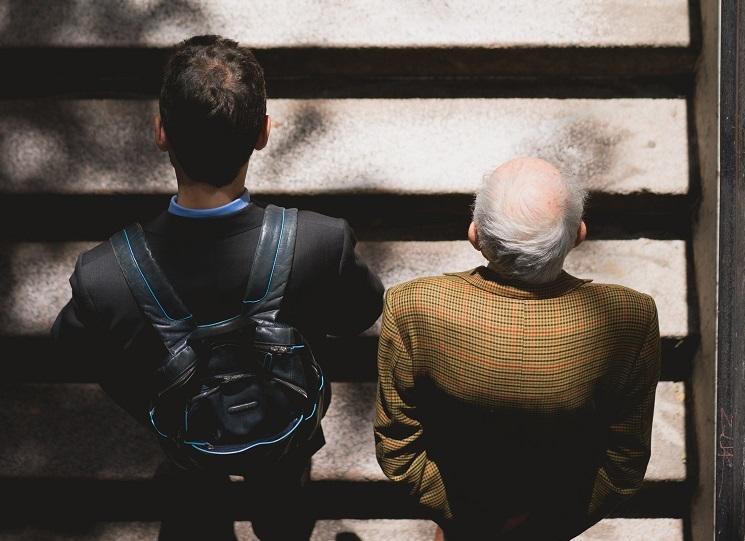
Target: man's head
[[526, 219], [212, 109]]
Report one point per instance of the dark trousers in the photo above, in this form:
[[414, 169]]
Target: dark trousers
[[278, 507]]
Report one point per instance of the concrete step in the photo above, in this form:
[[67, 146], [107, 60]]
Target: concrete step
[[286, 23], [652, 266], [74, 432], [34, 275], [664, 529], [360, 146]]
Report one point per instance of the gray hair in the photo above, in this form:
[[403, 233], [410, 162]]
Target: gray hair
[[519, 242]]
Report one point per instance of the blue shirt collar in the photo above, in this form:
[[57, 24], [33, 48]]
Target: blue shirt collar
[[234, 206]]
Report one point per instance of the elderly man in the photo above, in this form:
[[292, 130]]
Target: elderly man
[[515, 401]]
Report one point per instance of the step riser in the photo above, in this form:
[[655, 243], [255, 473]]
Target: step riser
[[533, 72], [406, 217], [40, 363], [48, 501]]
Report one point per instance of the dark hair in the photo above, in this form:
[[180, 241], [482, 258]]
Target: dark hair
[[212, 103]]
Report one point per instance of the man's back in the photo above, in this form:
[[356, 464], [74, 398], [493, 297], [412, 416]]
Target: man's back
[[208, 261], [521, 393]]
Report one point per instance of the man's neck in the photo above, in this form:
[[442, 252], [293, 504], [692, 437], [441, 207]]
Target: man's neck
[[509, 278], [198, 195]]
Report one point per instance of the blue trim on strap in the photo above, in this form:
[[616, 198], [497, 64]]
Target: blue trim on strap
[[236, 205], [126, 237], [315, 405], [152, 422], [218, 322], [274, 264]]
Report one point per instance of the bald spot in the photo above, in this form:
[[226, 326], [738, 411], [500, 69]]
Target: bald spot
[[530, 189]]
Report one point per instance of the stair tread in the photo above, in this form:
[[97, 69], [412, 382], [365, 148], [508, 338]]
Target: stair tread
[[661, 529], [36, 274], [404, 146], [358, 23]]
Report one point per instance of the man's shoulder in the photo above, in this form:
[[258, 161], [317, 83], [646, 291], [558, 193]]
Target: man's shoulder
[[96, 266], [320, 228], [311, 218], [616, 305], [424, 290], [97, 272], [613, 295], [96, 256], [424, 283]]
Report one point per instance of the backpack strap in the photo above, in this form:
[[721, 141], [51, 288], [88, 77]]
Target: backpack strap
[[272, 264], [151, 289]]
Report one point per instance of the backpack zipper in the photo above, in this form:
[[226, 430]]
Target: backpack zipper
[[275, 348], [292, 386]]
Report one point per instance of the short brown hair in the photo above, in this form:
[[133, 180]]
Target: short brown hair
[[213, 104]]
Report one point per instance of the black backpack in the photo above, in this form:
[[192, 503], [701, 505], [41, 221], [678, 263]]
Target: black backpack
[[236, 395]]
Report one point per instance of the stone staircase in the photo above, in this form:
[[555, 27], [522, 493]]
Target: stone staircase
[[387, 116]]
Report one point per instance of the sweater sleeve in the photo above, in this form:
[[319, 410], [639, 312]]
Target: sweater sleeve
[[398, 432], [625, 461]]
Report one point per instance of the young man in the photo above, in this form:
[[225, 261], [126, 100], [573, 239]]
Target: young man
[[212, 117], [515, 401]]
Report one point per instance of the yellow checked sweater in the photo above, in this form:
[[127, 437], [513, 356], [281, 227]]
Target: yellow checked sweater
[[497, 399]]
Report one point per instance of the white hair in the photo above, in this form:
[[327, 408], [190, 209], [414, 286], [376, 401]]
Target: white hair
[[519, 240]]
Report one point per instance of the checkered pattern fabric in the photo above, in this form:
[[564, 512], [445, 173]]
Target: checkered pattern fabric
[[505, 347]]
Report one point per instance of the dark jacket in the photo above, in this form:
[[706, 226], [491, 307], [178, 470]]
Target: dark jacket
[[208, 260]]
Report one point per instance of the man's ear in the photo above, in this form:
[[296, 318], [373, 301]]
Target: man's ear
[[264, 133], [161, 141], [473, 236], [581, 233]]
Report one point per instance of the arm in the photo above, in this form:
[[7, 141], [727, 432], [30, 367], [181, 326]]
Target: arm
[[622, 469], [398, 433], [358, 294], [77, 331]]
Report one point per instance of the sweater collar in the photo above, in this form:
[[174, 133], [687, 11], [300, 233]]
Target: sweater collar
[[235, 206], [488, 280], [175, 226]]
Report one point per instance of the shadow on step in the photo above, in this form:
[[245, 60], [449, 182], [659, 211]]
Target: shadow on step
[[406, 217], [39, 501], [423, 72], [348, 359]]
